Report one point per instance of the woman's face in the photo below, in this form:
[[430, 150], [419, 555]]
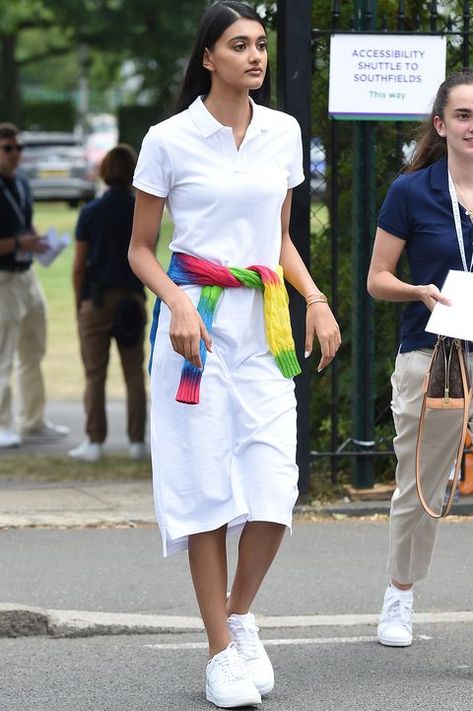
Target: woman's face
[[239, 58], [457, 123]]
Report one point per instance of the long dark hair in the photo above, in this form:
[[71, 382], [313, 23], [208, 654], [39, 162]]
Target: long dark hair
[[213, 24], [430, 146]]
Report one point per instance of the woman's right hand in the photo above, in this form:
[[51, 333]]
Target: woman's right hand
[[30, 242], [430, 295], [186, 329]]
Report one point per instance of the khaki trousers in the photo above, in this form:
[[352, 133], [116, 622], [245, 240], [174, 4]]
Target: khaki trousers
[[95, 335], [22, 336], [412, 531]]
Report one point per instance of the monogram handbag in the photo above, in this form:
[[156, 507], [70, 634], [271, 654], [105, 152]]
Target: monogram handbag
[[446, 387]]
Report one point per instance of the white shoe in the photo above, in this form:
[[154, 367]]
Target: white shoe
[[138, 450], [8, 438], [244, 633], [87, 451], [227, 681], [395, 623], [48, 432]]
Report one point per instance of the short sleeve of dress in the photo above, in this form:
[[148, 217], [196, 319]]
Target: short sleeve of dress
[[296, 170], [154, 171], [394, 214]]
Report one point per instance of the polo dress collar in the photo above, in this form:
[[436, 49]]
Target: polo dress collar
[[208, 124], [439, 175]]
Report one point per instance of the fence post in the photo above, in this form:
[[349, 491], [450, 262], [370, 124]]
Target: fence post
[[294, 23], [363, 222]]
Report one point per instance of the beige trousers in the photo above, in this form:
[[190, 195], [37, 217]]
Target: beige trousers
[[412, 531], [22, 336], [95, 335]]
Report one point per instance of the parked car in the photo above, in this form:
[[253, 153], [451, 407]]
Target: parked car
[[57, 167], [101, 134], [97, 146], [318, 183]]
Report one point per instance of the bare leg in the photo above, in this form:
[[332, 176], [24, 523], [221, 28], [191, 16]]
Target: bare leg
[[401, 586], [259, 543], [208, 566]]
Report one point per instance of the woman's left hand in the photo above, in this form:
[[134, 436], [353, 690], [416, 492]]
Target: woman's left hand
[[321, 322]]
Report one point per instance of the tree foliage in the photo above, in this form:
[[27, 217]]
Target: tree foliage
[[153, 37]]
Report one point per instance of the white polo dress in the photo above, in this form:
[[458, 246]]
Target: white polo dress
[[230, 458]]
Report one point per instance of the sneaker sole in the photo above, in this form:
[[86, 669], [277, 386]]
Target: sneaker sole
[[263, 690], [394, 643], [232, 702]]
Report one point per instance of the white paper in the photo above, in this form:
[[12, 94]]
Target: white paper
[[55, 243], [456, 320]]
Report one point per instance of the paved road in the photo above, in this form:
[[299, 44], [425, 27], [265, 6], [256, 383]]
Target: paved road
[[71, 414], [328, 567], [330, 671]]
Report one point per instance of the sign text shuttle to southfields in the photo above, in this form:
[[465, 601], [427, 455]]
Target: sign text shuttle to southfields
[[384, 76]]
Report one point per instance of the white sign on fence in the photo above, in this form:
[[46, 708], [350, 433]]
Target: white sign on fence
[[383, 76]]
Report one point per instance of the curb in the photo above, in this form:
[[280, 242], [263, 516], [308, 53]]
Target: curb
[[111, 519], [24, 621], [463, 507], [21, 621]]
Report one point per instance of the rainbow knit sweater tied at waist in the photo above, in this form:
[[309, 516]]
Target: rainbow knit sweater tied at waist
[[185, 269]]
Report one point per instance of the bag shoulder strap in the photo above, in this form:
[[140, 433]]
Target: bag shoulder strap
[[420, 436]]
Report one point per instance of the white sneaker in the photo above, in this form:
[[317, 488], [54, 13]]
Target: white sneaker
[[138, 450], [244, 633], [8, 438], [48, 432], [227, 681], [395, 623], [87, 451]]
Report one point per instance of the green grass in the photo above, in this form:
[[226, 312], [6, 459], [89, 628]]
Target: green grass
[[51, 468], [62, 365]]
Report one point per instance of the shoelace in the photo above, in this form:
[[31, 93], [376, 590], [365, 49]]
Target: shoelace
[[247, 640], [401, 609], [231, 665]]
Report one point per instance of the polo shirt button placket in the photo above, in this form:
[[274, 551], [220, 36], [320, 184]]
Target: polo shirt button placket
[[228, 147], [240, 164]]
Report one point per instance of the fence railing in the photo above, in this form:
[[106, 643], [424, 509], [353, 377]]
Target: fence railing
[[357, 161]]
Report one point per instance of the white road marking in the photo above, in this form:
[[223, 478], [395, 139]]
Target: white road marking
[[280, 642]]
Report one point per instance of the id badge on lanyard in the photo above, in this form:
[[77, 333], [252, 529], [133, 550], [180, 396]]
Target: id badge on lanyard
[[20, 212], [458, 224], [459, 231]]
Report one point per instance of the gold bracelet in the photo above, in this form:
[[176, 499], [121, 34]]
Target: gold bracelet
[[321, 299], [309, 296]]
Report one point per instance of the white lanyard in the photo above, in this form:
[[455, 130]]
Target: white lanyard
[[458, 224], [19, 210]]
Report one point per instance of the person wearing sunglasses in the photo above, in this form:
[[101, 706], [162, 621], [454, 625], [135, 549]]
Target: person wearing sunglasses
[[22, 305]]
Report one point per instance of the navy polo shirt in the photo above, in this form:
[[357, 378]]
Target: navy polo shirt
[[418, 210], [106, 224], [10, 223]]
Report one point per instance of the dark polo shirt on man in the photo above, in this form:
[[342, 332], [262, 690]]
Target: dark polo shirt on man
[[106, 224], [16, 212], [418, 209]]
